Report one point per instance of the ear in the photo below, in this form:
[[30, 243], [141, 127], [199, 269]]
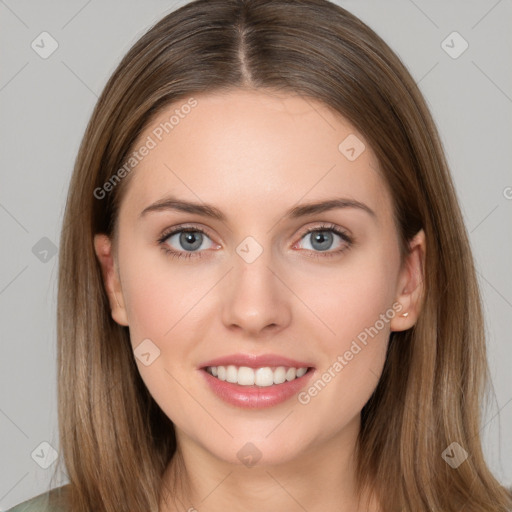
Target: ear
[[411, 284], [103, 249]]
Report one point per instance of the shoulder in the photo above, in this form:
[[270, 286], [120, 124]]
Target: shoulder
[[50, 501]]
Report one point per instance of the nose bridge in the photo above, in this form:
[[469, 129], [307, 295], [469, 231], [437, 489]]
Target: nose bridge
[[255, 297], [252, 276]]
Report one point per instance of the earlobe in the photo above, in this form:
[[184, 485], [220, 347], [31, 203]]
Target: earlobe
[[410, 288], [103, 249]]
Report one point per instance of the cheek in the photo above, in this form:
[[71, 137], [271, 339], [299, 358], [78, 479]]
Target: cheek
[[151, 307], [350, 298], [165, 305], [157, 299], [354, 309], [161, 309]]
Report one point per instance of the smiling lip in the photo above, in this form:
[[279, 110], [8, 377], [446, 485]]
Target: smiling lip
[[256, 397]]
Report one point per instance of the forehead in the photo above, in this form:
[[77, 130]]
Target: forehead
[[244, 150]]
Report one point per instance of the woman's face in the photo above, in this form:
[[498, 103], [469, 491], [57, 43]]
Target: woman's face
[[255, 282]]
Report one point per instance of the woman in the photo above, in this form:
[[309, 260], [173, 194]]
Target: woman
[[320, 346]]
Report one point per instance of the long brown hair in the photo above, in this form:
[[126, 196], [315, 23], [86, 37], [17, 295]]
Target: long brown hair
[[115, 440]]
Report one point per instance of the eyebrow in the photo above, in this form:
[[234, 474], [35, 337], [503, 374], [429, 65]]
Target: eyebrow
[[207, 210]]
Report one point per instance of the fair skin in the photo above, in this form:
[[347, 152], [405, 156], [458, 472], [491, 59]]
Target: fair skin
[[254, 155]]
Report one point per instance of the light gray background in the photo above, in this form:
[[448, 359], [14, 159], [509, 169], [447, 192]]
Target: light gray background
[[46, 103]]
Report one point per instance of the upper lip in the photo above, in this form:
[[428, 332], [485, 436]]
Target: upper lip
[[255, 361]]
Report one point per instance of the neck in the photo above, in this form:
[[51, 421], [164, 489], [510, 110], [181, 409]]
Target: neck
[[320, 478]]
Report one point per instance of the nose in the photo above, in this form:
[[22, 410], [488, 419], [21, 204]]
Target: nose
[[256, 298]]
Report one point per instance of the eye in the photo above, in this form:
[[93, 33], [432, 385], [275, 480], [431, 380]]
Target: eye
[[190, 239], [322, 239]]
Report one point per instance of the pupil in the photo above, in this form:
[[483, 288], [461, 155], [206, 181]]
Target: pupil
[[323, 239], [188, 238]]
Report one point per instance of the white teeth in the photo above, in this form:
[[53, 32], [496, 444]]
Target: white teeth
[[231, 374], [263, 377], [279, 375], [245, 376], [301, 372], [291, 374]]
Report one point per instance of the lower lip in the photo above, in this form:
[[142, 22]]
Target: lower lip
[[256, 397]]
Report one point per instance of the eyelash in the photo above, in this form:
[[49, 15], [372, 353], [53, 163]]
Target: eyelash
[[316, 254]]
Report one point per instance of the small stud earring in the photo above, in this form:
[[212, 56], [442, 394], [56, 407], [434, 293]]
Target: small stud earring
[[406, 314]]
